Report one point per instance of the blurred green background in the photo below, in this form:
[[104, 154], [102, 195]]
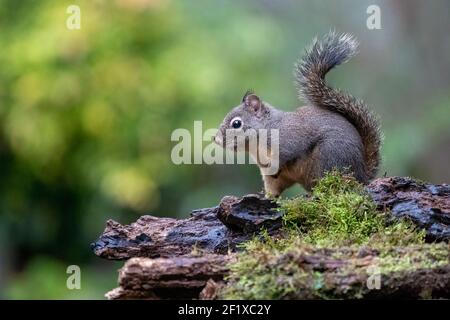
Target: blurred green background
[[86, 115]]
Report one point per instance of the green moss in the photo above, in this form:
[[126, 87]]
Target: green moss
[[265, 272], [339, 214], [260, 273], [339, 211], [435, 256]]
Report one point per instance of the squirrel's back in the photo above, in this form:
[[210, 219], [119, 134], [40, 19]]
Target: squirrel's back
[[310, 71]]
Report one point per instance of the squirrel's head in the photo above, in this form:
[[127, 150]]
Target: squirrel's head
[[243, 121]]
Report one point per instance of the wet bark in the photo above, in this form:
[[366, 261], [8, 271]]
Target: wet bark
[[179, 256], [213, 230], [427, 205], [220, 229]]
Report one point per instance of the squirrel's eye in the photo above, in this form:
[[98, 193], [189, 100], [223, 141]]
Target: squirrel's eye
[[236, 123]]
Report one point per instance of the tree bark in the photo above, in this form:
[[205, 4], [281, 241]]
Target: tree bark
[[427, 205], [346, 275], [178, 258], [175, 278], [220, 229], [167, 237]]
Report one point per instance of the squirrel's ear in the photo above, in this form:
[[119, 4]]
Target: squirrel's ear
[[246, 94], [253, 101]]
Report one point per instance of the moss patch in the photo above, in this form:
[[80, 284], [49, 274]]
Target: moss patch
[[339, 212], [339, 221], [308, 272]]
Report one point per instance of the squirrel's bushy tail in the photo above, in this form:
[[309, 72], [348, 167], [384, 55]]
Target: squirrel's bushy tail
[[335, 49]]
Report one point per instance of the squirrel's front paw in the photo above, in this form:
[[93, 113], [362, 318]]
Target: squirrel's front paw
[[271, 196]]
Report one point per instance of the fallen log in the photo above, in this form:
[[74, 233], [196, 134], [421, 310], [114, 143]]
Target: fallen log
[[175, 278], [331, 273], [220, 229], [167, 237], [190, 258]]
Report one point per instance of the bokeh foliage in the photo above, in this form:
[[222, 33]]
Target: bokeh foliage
[[86, 115]]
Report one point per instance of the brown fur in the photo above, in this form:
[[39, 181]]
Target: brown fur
[[336, 131]]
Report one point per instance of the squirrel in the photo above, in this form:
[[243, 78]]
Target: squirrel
[[335, 131]]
